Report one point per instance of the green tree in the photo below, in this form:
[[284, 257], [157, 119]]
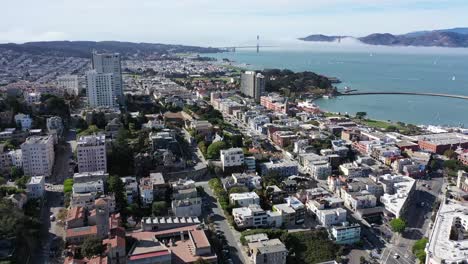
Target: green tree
[[236, 141], [16, 172], [92, 129], [116, 186], [418, 249], [213, 150], [361, 115], [68, 186], [201, 261], [21, 182], [450, 153], [398, 225], [92, 247], [121, 158], [159, 208], [202, 147]]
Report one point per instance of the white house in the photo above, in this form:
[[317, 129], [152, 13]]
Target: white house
[[35, 188], [244, 199], [89, 187], [25, 121], [232, 157]]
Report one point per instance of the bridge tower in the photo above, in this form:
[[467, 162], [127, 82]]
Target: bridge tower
[[258, 43]]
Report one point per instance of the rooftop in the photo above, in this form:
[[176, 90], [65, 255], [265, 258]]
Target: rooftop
[[440, 246]]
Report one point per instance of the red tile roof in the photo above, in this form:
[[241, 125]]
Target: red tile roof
[[82, 231]]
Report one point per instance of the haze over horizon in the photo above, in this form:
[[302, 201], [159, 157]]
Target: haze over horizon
[[214, 22]]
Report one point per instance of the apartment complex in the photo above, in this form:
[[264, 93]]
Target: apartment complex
[[91, 153], [38, 155], [106, 63], [252, 84], [69, 83], [100, 89]]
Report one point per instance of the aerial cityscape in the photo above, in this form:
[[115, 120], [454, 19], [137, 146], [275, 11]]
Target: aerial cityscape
[[345, 147]]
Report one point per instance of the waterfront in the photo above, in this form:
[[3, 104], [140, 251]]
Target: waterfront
[[381, 69]]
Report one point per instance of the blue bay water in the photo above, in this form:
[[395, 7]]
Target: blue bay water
[[380, 69]]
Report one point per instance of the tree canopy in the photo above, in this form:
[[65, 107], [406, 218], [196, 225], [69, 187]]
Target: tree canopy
[[213, 150], [398, 225], [159, 208], [92, 247]]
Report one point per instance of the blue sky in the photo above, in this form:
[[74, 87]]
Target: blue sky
[[220, 22]]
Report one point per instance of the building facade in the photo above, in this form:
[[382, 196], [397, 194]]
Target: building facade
[[38, 155], [91, 153]]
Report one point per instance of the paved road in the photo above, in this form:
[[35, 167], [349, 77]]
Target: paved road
[[220, 221], [418, 218], [49, 229]]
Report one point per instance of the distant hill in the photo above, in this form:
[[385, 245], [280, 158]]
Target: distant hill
[[84, 48], [321, 38], [456, 37]]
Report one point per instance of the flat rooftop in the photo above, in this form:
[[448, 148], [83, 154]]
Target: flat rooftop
[[440, 246]]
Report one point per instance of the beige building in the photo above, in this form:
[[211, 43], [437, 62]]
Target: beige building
[[38, 155], [271, 251], [91, 153]]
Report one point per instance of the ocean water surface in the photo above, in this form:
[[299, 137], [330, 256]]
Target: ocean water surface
[[373, 68]]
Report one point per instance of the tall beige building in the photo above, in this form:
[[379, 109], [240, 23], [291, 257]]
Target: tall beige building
[[38, 155], [91, 153], [253, 84], [109, 63]]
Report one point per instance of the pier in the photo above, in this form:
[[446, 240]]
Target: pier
[[405, 93]]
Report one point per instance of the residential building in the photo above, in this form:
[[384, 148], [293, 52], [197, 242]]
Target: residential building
[[274, 102], [91, 153], [320, 170], [32, 98], [448, 242], [272, 251], [462, 180], [85, 177], [279, 169], [463, 158], [35, 188], [38, 155], [55, 125], [250, 216], [131, 188], [187, 207], [252, 84], [283, 138], [398, 191], [24, 121], [89, 187], [233, 157], [327, 210], [146, 191], [69, 83], [100, 89], [350, 170], [109, 64], [244, 199], [346, 233]]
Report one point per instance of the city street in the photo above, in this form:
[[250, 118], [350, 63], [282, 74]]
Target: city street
[[220, 221], [50, 230]]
